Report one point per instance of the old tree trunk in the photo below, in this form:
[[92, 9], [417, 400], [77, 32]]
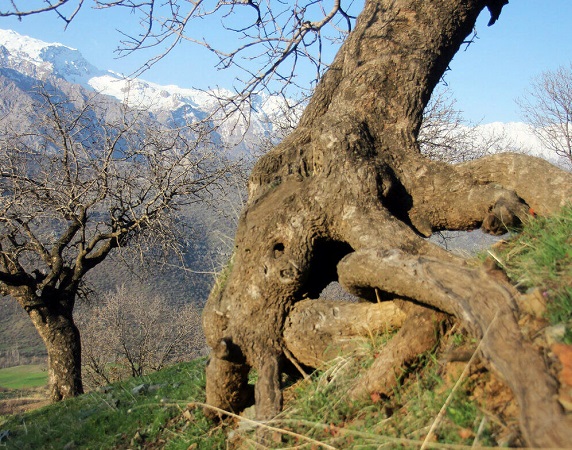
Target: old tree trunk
[[51, 312], [348, 196]]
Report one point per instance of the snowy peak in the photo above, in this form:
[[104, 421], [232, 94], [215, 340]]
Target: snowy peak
[[46, 58], [519, 137], [20, 52], [144, 94], [39, 59], [24, 46], [173, 104], [69, 64]]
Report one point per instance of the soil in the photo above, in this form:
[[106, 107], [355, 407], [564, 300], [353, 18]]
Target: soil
[[14, 401]]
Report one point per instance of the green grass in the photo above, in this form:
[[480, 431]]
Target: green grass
[[22, 377], [119, 418], [541, 257], [318, 412]]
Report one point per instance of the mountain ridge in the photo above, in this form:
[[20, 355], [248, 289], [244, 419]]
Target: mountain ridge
[[41, 60], [246, 129]]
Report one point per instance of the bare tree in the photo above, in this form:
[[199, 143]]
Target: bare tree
[[76, 186], [281, 41], [349, 196], [446, 136], [128, 333], [547, 108]]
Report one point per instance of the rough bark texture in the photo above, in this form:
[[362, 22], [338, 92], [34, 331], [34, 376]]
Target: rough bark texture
[[486, 306], [317, 331], [54, 322], [351, 181]]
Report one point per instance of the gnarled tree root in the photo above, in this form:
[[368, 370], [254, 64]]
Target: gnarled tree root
[[418, 335], [317, 331], [486, 308], [228, 386]]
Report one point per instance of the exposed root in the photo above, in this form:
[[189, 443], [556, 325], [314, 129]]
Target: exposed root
[[476, 299], [418, 335], [319, 330]]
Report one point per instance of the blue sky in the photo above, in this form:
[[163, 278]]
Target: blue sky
[[531, 36]]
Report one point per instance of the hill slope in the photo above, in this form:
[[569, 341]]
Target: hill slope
[[447, 394]]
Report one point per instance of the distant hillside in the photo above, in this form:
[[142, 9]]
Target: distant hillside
[[20, 343], [41, 61]]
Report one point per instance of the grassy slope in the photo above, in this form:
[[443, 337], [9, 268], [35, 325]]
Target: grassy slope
[[541, 258], [23, 377], [119, 417], [317, 413]]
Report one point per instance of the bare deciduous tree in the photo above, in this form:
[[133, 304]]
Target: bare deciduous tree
[[446, 136], [129, 334], [547, 108], [79, 184]]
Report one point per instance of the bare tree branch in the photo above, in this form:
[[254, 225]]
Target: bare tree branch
[[547, 108], [92, 176]]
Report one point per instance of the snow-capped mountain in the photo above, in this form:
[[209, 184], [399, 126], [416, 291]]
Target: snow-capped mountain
[[173, 104], [520, 138], [40, 60]]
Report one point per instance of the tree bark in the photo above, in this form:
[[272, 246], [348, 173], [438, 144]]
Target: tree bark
[[54, 322], [486, 306], [351, 179], [317, 331]]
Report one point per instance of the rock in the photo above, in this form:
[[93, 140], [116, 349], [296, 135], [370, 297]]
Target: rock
[[137, 439], [155, 387], [555, 334], [564, 354], [246, 425], [565, 398]]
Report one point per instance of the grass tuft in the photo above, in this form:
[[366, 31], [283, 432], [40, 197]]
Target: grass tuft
[[319, 413], [541, 257]]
